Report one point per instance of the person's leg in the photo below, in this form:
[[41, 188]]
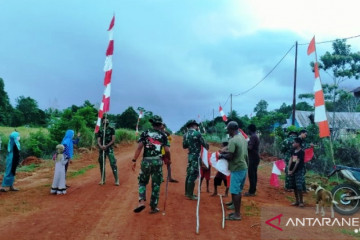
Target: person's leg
[[236, 198], [255, 169], [251, 176], [143, 179], [237, 183], [102, 167], [297, 202], [156, 180], [113, 165], [207, 177], [194, 173], [207, 186], [168, 166]]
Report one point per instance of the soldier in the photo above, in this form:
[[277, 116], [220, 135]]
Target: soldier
[[152, 141], [305, 145], [192, 141], [286, 149], [108, 149]]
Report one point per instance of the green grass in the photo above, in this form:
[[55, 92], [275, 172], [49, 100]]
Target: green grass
[[24, 131], [350, 233], [212, 138], [29, 168], [81, 171], [125, 135]]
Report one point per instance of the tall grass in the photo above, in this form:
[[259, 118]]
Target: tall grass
[[124, 135]]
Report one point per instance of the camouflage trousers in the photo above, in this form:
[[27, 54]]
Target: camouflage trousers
[[151, 167], [192, 171], [110, 154]]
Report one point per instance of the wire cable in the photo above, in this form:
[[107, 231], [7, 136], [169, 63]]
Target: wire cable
[[276, 65], [328, 41]]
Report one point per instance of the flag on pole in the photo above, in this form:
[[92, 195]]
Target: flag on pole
[[212, 159], [320, 111], [278, 167], [138, 121], [105, 103], [222, 114]]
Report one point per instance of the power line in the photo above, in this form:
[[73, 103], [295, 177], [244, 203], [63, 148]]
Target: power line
[[328, 41], [226, 101], [276, 65]]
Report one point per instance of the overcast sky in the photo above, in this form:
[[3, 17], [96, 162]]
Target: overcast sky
[[177, 58]]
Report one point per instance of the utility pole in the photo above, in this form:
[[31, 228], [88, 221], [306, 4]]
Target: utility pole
[[230, 103], [294, 95]]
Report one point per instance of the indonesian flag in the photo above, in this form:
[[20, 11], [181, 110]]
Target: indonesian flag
[[309, 154], [222, 114], [212, 159], [278, 167], [137, 124], [244, 135]]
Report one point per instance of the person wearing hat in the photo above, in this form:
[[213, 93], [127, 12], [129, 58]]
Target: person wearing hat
[[237, 156], [286, 150], [192, 141], [152, 140], [108, 149]]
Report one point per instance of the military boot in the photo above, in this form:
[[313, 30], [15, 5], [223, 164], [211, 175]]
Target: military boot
[[190, 192]]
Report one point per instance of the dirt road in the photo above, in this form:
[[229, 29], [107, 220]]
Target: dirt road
[[90, 211]]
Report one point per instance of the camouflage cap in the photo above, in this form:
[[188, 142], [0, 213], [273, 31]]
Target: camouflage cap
[[156, 120], [191, 122]]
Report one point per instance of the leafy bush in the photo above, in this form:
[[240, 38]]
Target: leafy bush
[[38, 144], [124, 135]]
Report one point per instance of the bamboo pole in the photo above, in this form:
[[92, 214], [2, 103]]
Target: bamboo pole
[[198, 202]]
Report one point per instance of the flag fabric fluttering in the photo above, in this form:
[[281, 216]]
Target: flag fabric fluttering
[[105, 103], [278, 167], [212, 159], [222, 114], [320, 111], [138, 121]]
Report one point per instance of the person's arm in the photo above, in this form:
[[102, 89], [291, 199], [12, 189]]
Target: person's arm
[[185, 143], [100, 144], [167, 153], [296, 165], [229, 153], [251, 143], [137, 154], [289, 167], [203, 142], [111, 142]]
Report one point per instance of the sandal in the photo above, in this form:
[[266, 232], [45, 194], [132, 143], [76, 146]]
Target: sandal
[[3, 190], [139, 208], [154, 210], [13, 189], [174, 181], [232, 217]]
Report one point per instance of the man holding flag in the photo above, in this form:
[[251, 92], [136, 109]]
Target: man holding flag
[[151, 166], [193, 142], [106, 145]]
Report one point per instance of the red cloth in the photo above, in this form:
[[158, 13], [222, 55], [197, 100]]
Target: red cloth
[[280, 164], [205, 173], [274, 180], [309, 154]]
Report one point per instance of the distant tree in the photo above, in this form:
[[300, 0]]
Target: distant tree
[[6, 109], [32, 115], [304, 106], [285, 109], [261, 108], [128, 118]]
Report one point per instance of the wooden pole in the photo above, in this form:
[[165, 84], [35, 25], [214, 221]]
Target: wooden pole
[[294, 94], [103, 160], [223, 212], [198, 202]]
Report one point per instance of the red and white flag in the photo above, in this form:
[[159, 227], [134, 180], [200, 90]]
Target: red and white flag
[[212, 159], [222, 114], [137, 124], [320, 111], [244, 135], [105, 103], [278, 167]]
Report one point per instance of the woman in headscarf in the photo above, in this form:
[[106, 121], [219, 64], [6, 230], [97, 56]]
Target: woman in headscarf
[[12, 161], [68, 143], [59, 183]]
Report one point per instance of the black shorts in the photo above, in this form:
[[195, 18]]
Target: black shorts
[[219, 178]]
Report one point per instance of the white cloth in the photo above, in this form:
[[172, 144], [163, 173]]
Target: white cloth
[[59, 181]]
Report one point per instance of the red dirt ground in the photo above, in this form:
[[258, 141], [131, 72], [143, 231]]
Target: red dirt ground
[[90, 211]]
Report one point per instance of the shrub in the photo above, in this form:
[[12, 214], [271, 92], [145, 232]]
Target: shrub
[[38, 144], [124, 135]]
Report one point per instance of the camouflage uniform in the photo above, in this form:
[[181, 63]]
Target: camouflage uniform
[[151, 164], [193, 141], [286, 149], [109, 152]]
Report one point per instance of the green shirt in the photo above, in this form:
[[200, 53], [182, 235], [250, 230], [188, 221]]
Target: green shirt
[[153, 141], [193, 141], [238, 147]]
